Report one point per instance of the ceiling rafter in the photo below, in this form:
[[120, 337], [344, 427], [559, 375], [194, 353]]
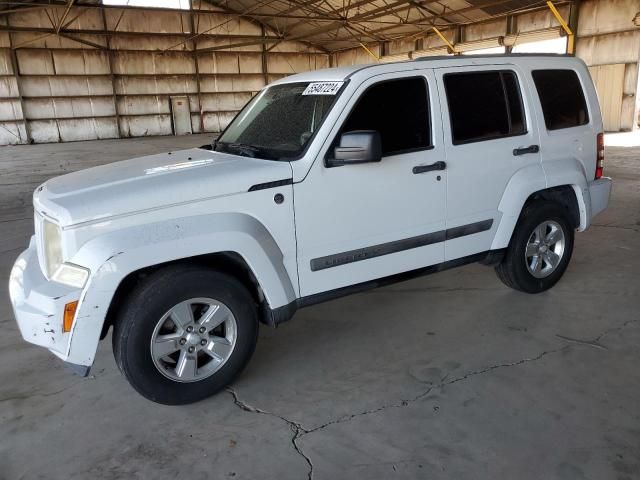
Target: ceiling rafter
[[257, 21], [450, 27], [433, 18]]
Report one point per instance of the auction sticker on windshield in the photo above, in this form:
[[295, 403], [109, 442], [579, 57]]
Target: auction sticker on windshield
[[322, 88]]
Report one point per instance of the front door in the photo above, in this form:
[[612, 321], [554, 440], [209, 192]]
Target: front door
[[356, 223], [490, 135]]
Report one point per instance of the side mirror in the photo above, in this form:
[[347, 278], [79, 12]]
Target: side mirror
[[359, 146]]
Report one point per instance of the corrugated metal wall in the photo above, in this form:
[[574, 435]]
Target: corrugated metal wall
[[55, 89]]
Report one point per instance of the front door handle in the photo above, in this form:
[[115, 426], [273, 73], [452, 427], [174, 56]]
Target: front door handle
[[429, 168], [525, 150]]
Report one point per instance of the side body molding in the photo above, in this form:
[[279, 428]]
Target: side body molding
[[114, 255]]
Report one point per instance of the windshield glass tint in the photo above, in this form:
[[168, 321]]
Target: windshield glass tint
[[278, 123]]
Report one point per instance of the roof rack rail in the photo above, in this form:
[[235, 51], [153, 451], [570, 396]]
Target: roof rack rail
[[494, 55]]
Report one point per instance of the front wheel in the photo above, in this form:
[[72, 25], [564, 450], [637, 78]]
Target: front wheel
[[185, 333], [540, 249]]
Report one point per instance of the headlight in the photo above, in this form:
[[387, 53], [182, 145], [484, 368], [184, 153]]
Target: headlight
[[65, 273], [52, 243]]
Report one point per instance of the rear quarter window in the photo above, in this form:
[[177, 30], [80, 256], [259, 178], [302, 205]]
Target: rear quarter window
[[562, 98]]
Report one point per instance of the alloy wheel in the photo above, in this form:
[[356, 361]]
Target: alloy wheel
[[194, 339], [545, 249]]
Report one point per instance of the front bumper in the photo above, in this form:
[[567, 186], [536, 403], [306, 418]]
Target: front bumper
[[38, 305], [599, 192]]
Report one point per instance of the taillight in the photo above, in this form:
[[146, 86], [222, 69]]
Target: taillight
[[600, 156]]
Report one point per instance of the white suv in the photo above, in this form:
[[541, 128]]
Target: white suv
[[326, 183]]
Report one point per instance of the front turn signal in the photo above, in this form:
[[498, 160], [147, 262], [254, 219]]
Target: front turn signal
[[69, 316]]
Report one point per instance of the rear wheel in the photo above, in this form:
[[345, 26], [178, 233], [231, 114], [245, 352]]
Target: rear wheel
[[540, 249], [185, 333]]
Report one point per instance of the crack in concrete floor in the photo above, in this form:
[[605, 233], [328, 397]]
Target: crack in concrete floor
[[297, 429], [300, 431]]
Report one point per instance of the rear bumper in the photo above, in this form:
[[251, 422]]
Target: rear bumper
[[38, 306], [599, 192]]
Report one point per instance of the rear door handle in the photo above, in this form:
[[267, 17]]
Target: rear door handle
[[429, 168], [525, 150]]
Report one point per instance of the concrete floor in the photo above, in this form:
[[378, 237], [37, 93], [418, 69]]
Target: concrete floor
[[449, 376]]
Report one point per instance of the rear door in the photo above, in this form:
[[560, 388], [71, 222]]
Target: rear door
[[490, 134]]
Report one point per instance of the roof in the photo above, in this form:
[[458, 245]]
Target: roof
[[340, 24], [331, 25]]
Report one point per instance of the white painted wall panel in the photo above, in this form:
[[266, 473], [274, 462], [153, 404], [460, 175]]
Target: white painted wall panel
[[251, 83], [204, 42], [35, 62], [61, 86], [483, 31], [5, 62], [229, 62], [87, 129], [296, 47], [85, 62], [142, 42], [12, 133], [224, 101], [10, 109], [8, 87], [132, 105], [356, 56], [598, 16], [295, 63], [160, 85], [143, 63], [39, 40], [44, 131], [144, 126], [220, 23], [606, 49], [4, 40], [540, 20], [69, 107], [216, 122], [147, 21], [400, 46]]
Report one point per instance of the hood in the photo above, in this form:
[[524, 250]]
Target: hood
[[151, 182]]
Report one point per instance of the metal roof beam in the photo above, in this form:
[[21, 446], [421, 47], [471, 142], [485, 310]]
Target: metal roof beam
[[4, 28]]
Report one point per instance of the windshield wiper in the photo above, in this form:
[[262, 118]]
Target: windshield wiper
[[242, 149]]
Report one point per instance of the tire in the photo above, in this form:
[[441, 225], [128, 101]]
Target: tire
[[520, 271], [140, 337]]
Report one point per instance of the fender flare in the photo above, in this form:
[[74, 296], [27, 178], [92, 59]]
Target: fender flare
[[521, 185], [114, 255], [571, 172], [535, 178]]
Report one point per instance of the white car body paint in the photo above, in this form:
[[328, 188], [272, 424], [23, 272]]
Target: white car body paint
[[118, 218]]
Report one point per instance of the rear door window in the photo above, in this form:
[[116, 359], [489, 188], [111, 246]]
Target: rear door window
[[561, 97], [484, 105]]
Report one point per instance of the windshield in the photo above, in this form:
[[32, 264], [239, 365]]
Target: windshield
[[278, 123]]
